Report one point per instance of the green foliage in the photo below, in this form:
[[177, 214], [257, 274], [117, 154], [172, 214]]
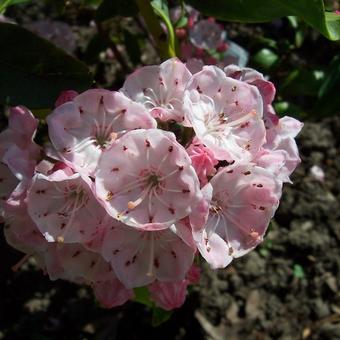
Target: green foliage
[[111, 8], [159, 315], [6, 3], [265, 59], [328, 95], [252, 11], [33, 71]]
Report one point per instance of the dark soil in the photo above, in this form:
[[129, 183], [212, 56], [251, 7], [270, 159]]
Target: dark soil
[[285, 289]]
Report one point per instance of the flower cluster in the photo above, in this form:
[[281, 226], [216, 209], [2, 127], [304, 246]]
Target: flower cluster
[[203, 40], [136, 183]]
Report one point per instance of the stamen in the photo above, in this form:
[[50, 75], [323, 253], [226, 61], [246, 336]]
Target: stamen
[[243, 119], [138, 201]]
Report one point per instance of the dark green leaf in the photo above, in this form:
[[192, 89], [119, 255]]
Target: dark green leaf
[[96, 45], [329, 99], [311, 11], [132, 46], [142, 296], [302, 82], [33, 71], [160, 316], [6, 3], [111, 8]]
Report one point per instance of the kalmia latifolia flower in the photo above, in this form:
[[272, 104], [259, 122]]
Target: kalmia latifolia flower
[[135, 184]]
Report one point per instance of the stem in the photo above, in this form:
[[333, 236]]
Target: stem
[[166, 48]]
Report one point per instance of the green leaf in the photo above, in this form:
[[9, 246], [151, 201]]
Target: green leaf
[[265, 58], [6, 3], [328, 96], [132, 46], [33, 71], [302, 82], [160, 316], [142, 296], [111, 8], [311, 11], [96, 45]]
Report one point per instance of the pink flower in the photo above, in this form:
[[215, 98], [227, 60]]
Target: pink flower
[[168, 295], [81, 129], [64, 207], [145, 179], [226, 114], [244, 200], [65, 96], [74, 263], [281, 142], [18, 152], [207, 34], [194, 274], [20, 231], [159, 88], [203, 161], [140, 257]]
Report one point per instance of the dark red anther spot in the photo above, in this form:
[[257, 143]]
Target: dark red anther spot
[[76, 253], [206, 241], [134, 259], [81, 109], [173, 254], [230, 251], [230, 171], [247, 147], [219, 90], [247, 173], [101, 100], [198, 89], [170, 148], [208, 249], [150, 219], [124, 148], [185, 191], [82, 231], [259, 185], [172, 210], [262, 208], [123, 111], [176, 81], [40, 192], [127, 263], [156, 263], [246, 124], [236, 102], [115, 169], [63, 225], [115, 252], [233, 89], [147, 143], [180, 168], [45, 214], [92, 264]]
